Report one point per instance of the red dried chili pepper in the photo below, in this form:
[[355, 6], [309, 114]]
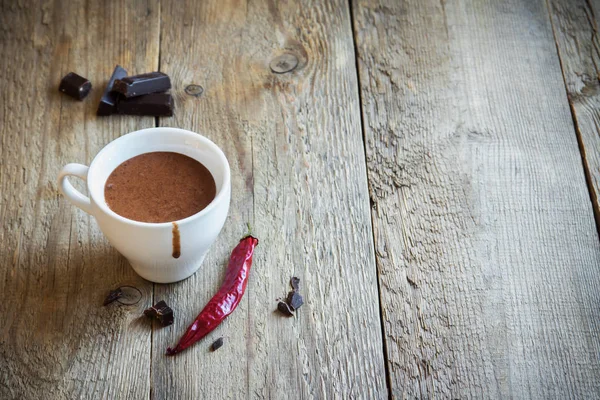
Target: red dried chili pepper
[[227, 298]]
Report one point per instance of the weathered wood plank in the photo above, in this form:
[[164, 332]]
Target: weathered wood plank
[[484, 234], [575, 25], [299, 177], [56, 339]]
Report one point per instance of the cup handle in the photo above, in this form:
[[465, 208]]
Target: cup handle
[[72, 194]]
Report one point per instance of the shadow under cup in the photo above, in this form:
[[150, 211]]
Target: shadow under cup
[[149, 246]]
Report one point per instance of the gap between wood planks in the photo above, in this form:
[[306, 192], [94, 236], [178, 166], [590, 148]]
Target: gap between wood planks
[[156, 125], [584, 162], [388, 377]]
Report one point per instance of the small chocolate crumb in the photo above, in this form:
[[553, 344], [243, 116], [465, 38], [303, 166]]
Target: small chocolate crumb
[[284, 308], [113, 296], [295, 283], [216, 344], [162, 312], [294, 300]]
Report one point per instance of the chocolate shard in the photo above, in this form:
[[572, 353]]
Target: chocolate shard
[[217, 344], [113, 296], [150, 312], [165, 316], [156, 104], [284, 308], [138, 85], [108, 102], [295, 283], [294, 300], [75, 86], [162, 312]]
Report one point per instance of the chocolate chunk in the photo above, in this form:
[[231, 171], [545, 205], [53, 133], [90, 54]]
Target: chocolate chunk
[[216, 344], [112, 296], [138, 85], [284, 308], [150, 312], [165, 317], [162, 312], [294, 300], [156, 104], [108, 103], [295, 283], [75, 86]]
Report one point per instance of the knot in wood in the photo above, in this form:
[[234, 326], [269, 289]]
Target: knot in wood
[[284, 63], [194, 90]]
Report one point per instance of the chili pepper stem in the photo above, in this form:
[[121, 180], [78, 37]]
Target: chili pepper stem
[[249, 230]]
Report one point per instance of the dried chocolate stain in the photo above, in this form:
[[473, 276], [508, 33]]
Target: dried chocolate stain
[[176, 241]]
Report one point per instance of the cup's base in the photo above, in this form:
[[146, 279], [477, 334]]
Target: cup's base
[[165, 273]]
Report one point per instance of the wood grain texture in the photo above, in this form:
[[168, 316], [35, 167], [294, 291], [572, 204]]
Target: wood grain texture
[[575, 25], [485, 240], [299, 177], [56, 339]]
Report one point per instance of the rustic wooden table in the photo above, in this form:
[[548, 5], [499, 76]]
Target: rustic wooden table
[[430, 170]]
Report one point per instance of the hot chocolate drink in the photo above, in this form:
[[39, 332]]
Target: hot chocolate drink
[[159, 187]]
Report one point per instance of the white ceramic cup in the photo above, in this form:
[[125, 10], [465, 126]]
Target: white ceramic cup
[[149, 246]]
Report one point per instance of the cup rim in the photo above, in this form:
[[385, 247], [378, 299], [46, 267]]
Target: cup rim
[[197, 136]]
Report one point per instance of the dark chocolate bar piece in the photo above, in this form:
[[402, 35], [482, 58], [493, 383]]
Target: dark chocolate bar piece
[[108, 103], [162, 312], [75, 86], [139, 85], [155, 104]]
